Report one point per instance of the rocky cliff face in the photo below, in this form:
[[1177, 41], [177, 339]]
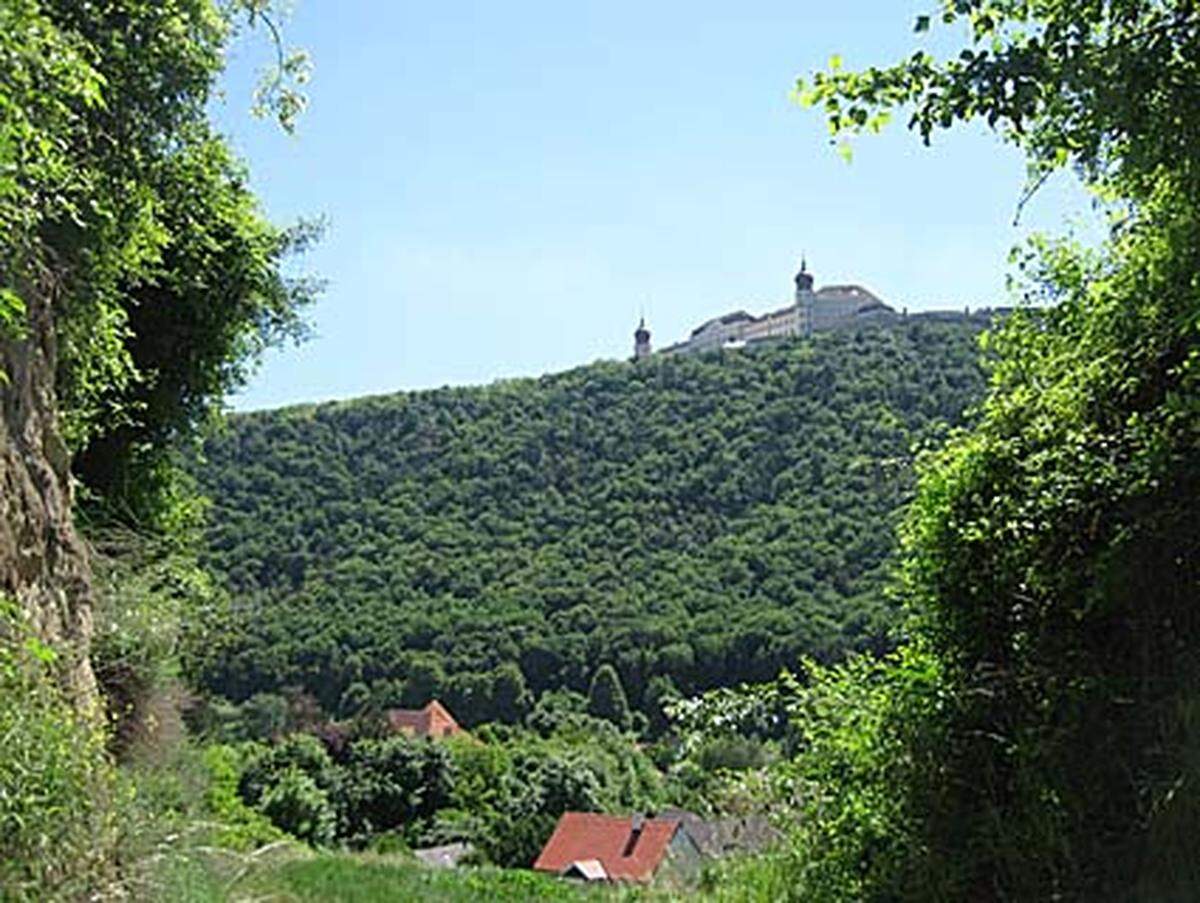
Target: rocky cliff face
[[43, 562]]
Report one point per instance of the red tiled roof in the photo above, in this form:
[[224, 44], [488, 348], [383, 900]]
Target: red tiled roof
[[431, 721], [607, 838]]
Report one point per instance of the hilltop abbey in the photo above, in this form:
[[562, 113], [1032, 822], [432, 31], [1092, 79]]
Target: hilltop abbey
[[814, 310]]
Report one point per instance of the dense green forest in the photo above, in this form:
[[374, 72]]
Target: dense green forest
[[695, 522]]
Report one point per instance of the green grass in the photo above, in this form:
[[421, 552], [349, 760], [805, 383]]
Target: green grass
[[368, 878], [347, 878]]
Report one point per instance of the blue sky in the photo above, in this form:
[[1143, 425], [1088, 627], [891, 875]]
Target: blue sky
[[508, 185]]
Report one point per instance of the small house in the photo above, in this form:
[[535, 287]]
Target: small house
[[433, 721], [593, 847]]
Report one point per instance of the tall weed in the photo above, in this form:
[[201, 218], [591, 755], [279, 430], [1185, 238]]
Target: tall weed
[[57, 785]]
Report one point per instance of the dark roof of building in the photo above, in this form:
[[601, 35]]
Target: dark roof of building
[[737, 316], [723, 836], [627, 848], [778, 313], [847, 291]]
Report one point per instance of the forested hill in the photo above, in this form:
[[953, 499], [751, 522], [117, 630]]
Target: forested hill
[[693, 521]]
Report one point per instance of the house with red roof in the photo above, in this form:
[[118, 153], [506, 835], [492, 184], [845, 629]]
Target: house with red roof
[[434, 721], [594, 847]]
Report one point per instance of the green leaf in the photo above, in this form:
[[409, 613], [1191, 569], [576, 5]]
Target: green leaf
[[12, 308], [40, 651]]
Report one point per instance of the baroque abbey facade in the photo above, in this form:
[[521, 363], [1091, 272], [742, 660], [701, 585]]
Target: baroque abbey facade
[[814, 310]]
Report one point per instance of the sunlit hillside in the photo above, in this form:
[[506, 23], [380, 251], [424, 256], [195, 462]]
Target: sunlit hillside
[[694, 521]]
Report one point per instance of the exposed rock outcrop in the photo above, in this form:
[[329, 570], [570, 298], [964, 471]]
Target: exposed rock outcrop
[[43, 562]]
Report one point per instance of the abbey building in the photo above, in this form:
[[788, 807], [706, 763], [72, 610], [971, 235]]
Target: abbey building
[[814, 310]]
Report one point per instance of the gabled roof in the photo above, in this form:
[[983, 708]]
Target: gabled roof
[[587, 869], [722, 836], [432, 721], [626, 848]]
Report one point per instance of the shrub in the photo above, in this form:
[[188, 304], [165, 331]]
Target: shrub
[[297, 805], [56, 783], [732, 754], [241, 828], [146, 586], [390, 783], [869, 734], [266, 765]]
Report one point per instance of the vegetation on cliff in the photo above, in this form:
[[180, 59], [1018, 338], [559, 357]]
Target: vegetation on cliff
[[138, 282]]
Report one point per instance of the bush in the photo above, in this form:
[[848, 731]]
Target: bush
[[732, 754], [266, 765], [56, 783], [392, 783], [146, 586], [870, 733], [242, 828], [1052, 554], [297, 805]]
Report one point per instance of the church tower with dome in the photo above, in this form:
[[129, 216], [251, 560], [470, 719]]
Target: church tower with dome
[[641, 341], [806, 299]]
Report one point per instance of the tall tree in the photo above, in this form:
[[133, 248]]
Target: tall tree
[[606, 698], [127, 214], [510, 699]]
